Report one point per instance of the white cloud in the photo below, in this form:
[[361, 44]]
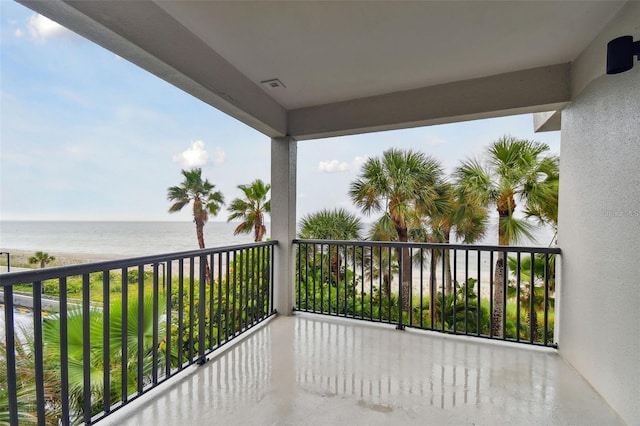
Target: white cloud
[[41, 28], [219, 156], [18, 33], [333, 166], [434, 141], [194, 156], [337, 166]]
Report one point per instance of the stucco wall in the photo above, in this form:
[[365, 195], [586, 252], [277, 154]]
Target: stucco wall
[[599, 232]]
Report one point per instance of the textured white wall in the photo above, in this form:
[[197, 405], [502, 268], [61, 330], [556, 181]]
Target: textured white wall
[[599, 232]]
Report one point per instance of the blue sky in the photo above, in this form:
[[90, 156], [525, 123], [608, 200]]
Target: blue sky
[[85, 135]]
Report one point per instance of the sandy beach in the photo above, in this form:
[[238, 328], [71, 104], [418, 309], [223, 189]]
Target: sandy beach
[[20, 259]]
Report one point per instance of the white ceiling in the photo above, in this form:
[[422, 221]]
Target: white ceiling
[[350, 66], [327, 52]]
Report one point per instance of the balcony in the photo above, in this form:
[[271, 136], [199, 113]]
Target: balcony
[[193, 337], [308, 369]]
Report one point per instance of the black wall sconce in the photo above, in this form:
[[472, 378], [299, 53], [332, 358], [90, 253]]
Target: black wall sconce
[[620, 53]]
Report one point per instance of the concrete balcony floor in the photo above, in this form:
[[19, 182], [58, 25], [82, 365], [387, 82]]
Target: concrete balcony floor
[[320, 371]]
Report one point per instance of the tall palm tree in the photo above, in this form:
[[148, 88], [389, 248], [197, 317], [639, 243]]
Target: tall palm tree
[[400, 185], [514, 171], [251, 209], [336, 224], [205, 200], [42, 258]]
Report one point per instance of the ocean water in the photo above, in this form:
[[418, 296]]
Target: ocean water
[[128, 239], [118, 239]]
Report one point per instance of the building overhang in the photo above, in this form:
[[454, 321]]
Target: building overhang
[[347, 67]]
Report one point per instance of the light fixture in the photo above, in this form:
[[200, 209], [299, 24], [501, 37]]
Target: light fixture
[[620, 53]]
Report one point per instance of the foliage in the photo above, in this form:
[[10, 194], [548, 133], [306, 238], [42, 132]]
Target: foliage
[[403, 186], [75, 319], [251, 209], [205, 200], [514, 171], [41, 258]]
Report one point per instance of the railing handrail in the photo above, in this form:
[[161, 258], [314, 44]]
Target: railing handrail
[[464, 289], [441, 246], [19, 277], [151, 326]]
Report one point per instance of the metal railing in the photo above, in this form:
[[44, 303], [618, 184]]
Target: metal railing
[[495, 292], [122, 327]]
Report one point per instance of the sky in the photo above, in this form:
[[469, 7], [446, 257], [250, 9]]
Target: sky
[[86, 135]]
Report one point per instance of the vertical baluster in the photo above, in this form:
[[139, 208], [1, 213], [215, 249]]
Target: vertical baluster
[[12, 391], [156, 319], [454, 290], [505, 273], [401, 274], [220, 300], [532, 296], [518, 282], [106, 342], [202, 301], [140, 334], [345, 256], [64, 353], [38, 351], [466, 291], [300, 273], [86, 349], [180, 342], [479, 295], [421, 287], [211, 307], [168, 322], [491, 284], [192, 296], [124, 344], [234, 292], [546, 298]]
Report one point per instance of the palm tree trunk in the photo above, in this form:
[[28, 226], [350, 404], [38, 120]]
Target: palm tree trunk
[[200, 235], [433, 283], [447, 264], [258, 228], [405, 279], [499, 286], [498, 295]]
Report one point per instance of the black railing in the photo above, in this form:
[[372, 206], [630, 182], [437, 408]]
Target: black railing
[[495, 292], [111, 331]]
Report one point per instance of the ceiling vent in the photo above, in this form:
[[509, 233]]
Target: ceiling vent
[[273, 84]]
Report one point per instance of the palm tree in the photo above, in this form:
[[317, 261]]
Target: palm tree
[[401, 186], [42, 258], [336, 224], [514, 171], [75, 341], [205, 201], [251, 209]]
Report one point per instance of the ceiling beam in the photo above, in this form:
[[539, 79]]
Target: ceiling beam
[[533, 90]]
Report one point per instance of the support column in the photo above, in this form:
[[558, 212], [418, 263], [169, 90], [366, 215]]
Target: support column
[[284, 157]]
